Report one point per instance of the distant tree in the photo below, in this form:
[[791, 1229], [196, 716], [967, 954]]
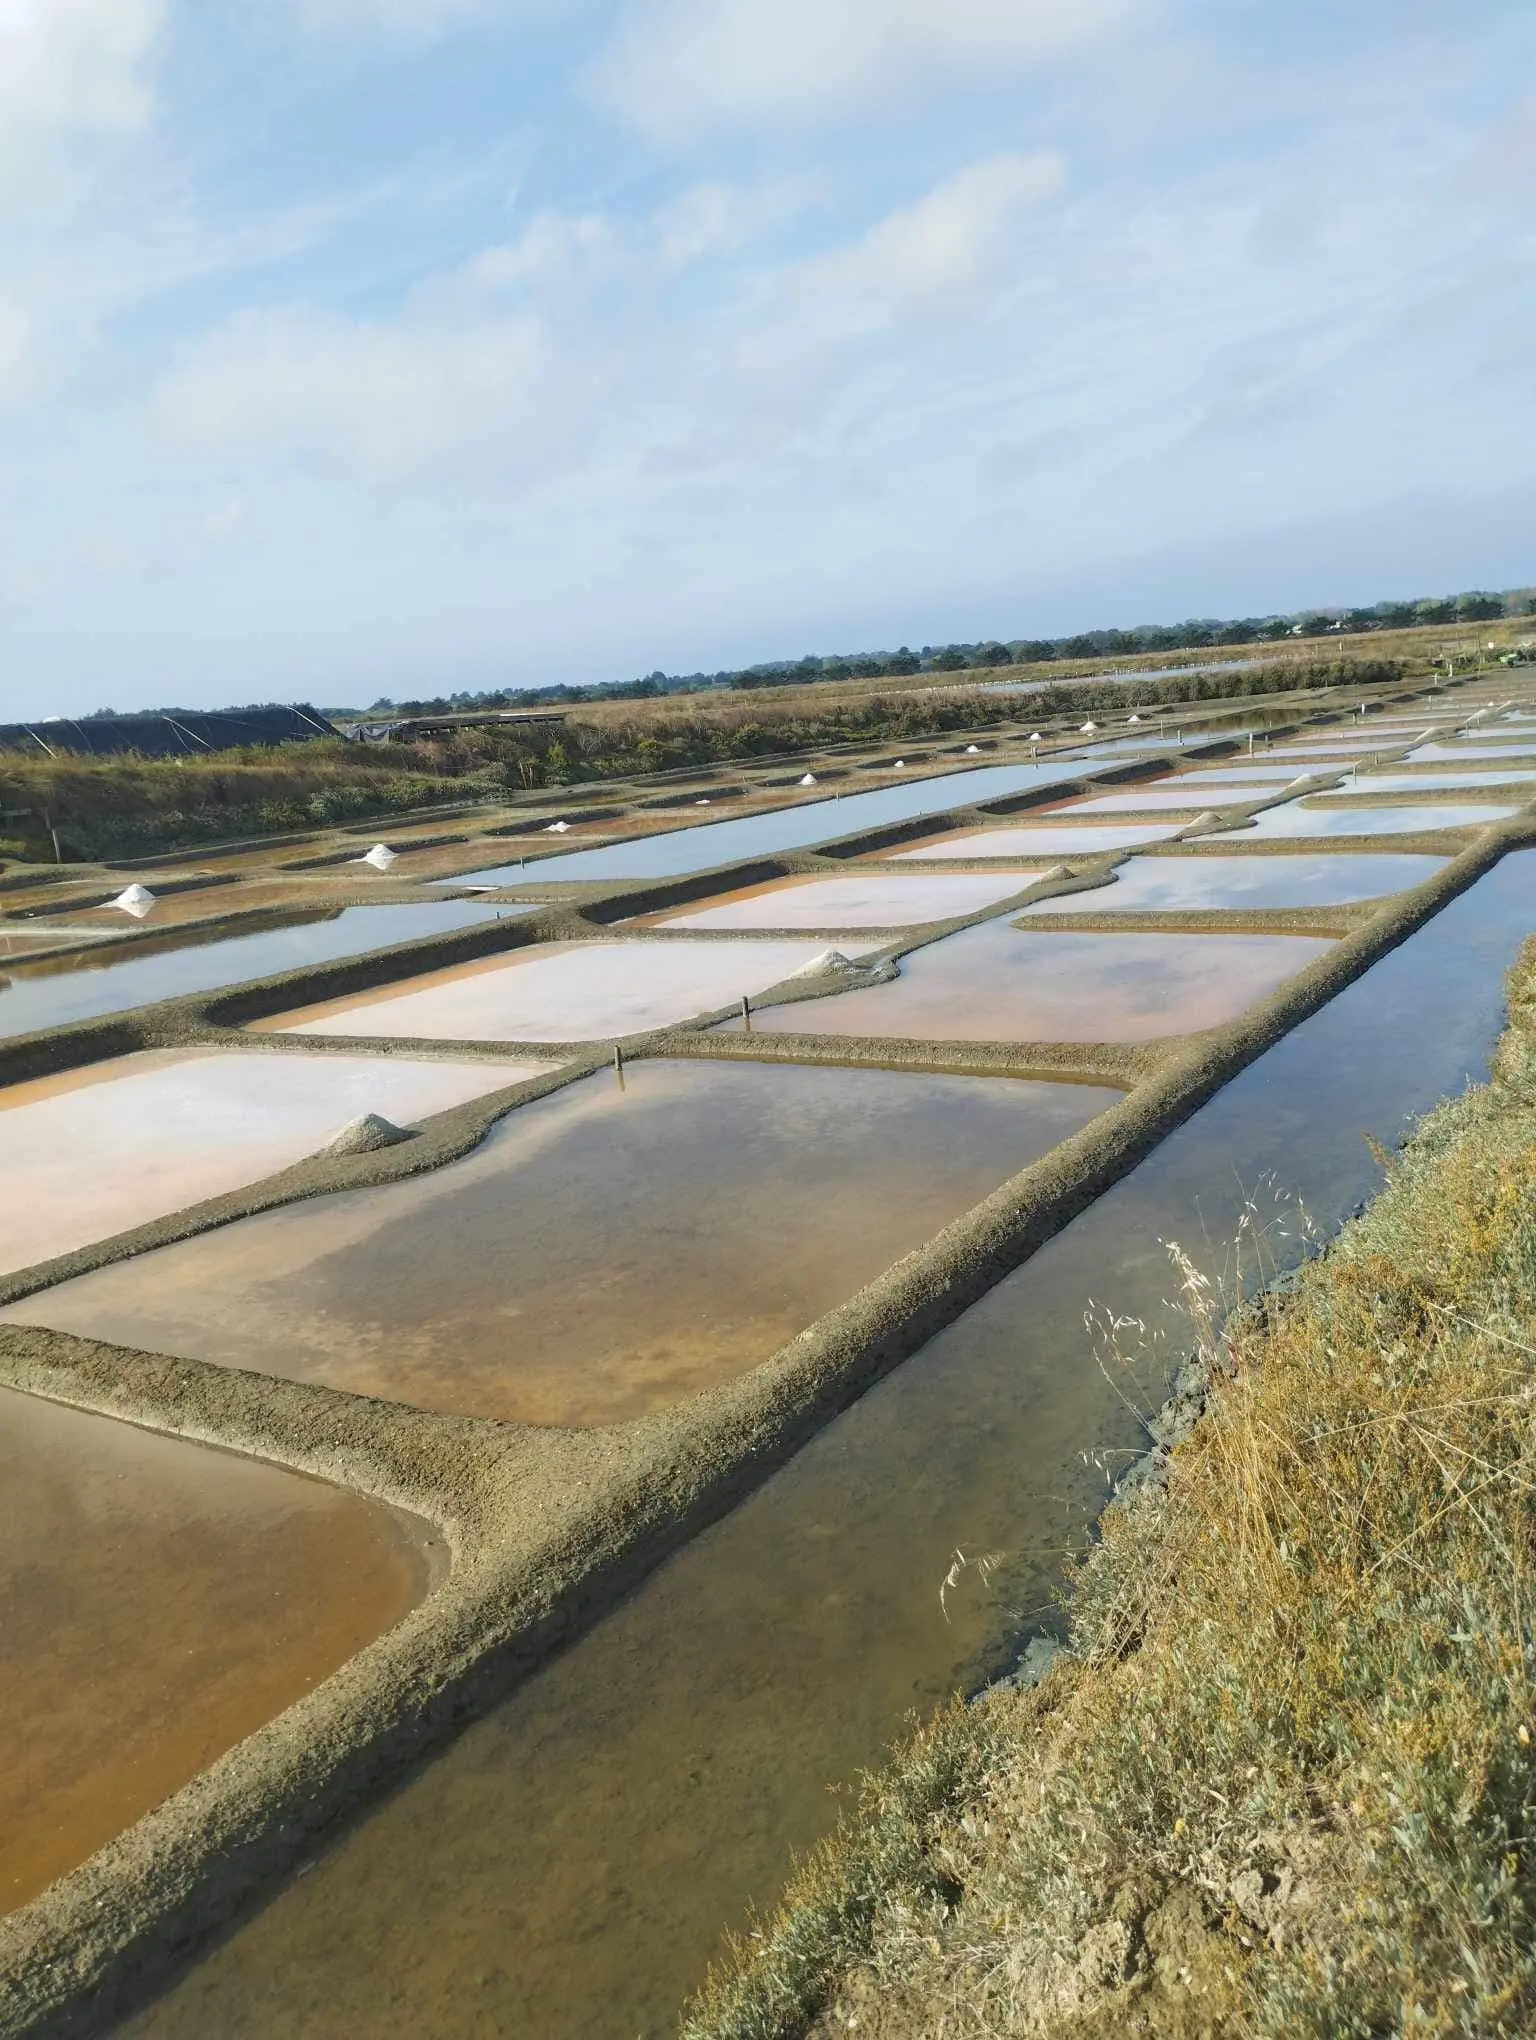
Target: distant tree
[[1530, 606], [950, 660], [1434, 612], [994, 654], [903, 661], [1477, 606]]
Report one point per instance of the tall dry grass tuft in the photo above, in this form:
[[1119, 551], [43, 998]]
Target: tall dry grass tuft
[[1285, 1781]]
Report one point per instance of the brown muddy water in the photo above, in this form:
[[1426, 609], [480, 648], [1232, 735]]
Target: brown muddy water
[[158, 1602], [873, 899], [121, 1143], [568, 991], [567, 1869], [608, 1250], [996, 983], [1178, 884]]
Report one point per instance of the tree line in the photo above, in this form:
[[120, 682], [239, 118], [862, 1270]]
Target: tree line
[[1195, 634]]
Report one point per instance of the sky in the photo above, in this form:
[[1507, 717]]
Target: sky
[[360, 348]]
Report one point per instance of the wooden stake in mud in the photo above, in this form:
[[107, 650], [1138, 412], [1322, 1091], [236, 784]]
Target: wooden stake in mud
[[746, 1011]]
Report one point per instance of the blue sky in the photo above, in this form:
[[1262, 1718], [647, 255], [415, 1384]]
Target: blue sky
[[361, 347]]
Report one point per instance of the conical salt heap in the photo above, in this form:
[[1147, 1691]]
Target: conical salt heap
[[365, 1136], [381, 857], [827, 964], [137, 900]]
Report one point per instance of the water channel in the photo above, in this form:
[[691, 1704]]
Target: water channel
[[568, 1867]]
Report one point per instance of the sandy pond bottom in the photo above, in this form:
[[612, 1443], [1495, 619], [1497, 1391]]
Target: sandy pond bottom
[[1177, 884], [607, 1251], [121, 1143], [159, 1601], [873, 899], [996, 983], [567, 991]]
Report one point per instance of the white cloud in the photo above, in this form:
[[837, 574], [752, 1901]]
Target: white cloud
[[382, 404], [938, 253], [676, 63], [75, 65]]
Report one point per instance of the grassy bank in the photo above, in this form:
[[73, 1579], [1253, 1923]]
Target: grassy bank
[[1283, 1782], [119, 807]]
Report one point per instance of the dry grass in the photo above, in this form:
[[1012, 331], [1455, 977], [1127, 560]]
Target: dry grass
[[1283, 1784]]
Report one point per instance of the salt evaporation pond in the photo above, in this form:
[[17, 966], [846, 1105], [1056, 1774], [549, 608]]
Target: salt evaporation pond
[[118, 977], [998, 983], [124, 1142], [1518, 752], [872, 899], [1171, 885], [1250, 772], [565, 991], [682, 851], [1434, 782], [607, 1251], [1053, 841], [1300, 819], [159, 1601], [1163, 794], [658, 1775]]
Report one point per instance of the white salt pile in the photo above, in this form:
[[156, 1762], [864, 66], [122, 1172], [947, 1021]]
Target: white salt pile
[[558, 829], [365, 1135], [137, 900], [381, 857], [809, 779], [829, 962]]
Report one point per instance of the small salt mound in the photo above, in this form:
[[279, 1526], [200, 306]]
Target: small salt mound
[[365, 1136], [973, 750], [381, 857], [137, 900], [901, 765], [827, 964], [1210, 815], [701, 803], [1087, 729], [809, 779]]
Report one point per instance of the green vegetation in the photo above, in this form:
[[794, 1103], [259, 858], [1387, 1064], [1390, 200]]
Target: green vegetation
[[1282, 1784], [116, 807]]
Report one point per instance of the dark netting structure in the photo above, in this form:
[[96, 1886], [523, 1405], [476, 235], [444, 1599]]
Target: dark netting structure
[[168, 733]]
